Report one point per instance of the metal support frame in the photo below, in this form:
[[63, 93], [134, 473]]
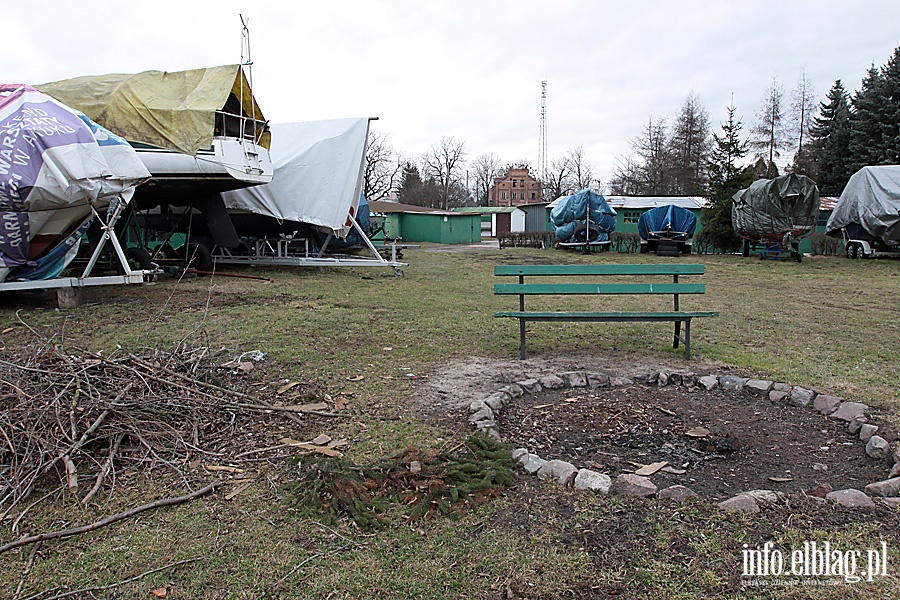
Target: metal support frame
[[86, 280], [283, 252]]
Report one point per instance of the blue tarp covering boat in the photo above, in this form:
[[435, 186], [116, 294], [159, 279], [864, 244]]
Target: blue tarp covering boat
[[584, 217], [668, 222]]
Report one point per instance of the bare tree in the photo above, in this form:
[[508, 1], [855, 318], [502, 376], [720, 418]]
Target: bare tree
[[650, 170], [486, 167], [802, 113], [690, 144], [383, 168], [768, 136], [443, 164], [556, 180], [581, 175]]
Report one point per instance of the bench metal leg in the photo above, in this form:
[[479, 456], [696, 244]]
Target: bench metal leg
[[522, 339], [677, 334], [687, 339]]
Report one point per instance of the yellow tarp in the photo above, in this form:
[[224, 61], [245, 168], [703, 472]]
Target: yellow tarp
[[176, 110]]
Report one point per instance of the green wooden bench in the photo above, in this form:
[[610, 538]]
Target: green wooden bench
[[640, 284]]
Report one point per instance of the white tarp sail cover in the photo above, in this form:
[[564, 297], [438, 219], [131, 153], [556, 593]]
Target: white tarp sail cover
[[318, 174], [55, 164], [870, 200]]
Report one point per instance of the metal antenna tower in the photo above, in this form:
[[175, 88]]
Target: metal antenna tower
[[542, 151]]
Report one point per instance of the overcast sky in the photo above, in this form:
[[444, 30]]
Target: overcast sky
[[472, 69]]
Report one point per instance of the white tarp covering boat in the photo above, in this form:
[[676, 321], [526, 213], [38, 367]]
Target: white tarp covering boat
[[318, 178], [869, 205], [56, 168]]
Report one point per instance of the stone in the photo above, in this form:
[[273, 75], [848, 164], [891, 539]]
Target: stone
[[574, 379], [895, 471], [494, 433], [820, 491], [710, 382], [740, 503], [730, 382], [877, 447], [888, 487], [484, 414], [850, 498], [764, 496], [890, 502], [675, 379], [519, 453], [801, 396], [628, 484], [486, 425], [849, 411], [826, 404], [759, 387], [782, 387], [662, 379], [866, 431], [495, 401], [476, 405], [69, 297], [819, 467], [689, 379], [677, 492], [552, 382], [777, 396], [856, 424], [620, 381], [532, 463], [530, 385], [598, 380], [513, 390], [649, 378], [560, 470], [592, 480], [895, 455]]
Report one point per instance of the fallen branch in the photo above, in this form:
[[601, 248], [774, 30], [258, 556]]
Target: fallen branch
[[100, 588], [52, 535], [104, 470]]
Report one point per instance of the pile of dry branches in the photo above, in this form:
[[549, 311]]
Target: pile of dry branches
[[72, 420]]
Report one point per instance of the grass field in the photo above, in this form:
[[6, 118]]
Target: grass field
[[828, 323]]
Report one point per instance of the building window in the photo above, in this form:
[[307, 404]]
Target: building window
[[521, 195], [503, 195], [514, 183], [631, 216], [532, 196]]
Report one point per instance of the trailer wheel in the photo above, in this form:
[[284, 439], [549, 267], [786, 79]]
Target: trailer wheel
[[586, 233], [199, 257], [138, 260], [745, 250], [851, 251]]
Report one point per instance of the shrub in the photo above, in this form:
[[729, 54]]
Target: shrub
[[625, 242]]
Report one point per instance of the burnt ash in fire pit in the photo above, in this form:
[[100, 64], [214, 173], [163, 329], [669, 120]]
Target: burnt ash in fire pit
[[716, 442]]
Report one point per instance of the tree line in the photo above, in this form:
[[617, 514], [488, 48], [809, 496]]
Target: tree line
[[827, 143]]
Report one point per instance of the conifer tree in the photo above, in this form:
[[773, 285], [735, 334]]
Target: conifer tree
[[831, 139], [726, 177]]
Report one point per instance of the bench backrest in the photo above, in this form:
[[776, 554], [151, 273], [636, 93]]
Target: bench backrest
[[530, 289]]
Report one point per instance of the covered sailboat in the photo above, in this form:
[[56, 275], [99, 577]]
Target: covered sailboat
[[582, 219], [775, 213], [58, 171], [671, 226]]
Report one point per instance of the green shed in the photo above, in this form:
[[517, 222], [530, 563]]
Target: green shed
[[420, 224]]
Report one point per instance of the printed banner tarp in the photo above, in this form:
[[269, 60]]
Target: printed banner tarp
[[318, 174], [54, 164]]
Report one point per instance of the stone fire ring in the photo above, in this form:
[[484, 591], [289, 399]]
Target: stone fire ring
[[483, 413]]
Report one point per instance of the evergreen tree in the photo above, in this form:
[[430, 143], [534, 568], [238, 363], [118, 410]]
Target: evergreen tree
[[726, 178], [830, 134], [875, 120]]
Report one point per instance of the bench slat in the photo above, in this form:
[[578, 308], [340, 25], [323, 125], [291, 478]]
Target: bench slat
[[531, 289], [557, 315], [569, 270]]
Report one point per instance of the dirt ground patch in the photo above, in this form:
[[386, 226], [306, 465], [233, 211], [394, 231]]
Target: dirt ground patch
[[750, 440]]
